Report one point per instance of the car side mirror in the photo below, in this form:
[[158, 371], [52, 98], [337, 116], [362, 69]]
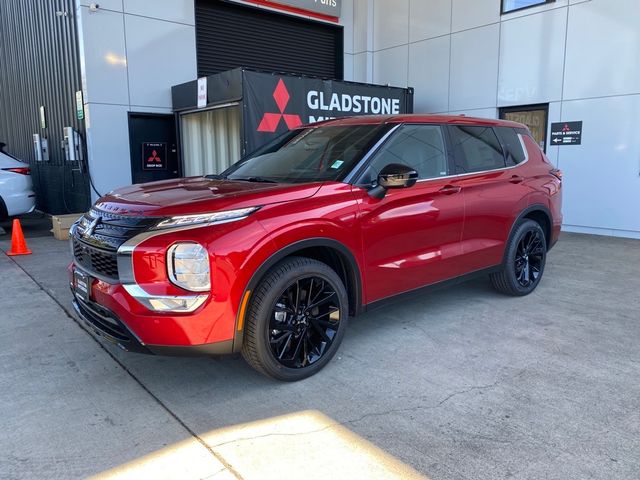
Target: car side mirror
[[394, 175]]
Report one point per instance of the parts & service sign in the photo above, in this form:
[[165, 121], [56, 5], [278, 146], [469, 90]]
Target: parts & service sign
[[566, 133]]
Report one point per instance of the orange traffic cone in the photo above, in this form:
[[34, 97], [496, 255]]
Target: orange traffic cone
[[18, 243]]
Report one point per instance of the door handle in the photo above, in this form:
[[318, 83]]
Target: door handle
[[516, 179], [450, 189]]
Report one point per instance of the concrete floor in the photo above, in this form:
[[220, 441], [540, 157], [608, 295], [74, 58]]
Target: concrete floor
[[462, 383]]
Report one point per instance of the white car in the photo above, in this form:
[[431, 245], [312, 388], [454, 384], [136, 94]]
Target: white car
[[16, 188]]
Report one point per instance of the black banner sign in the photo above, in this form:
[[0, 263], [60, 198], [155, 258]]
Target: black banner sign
[[566, 133], [154, 156], [274, 104]]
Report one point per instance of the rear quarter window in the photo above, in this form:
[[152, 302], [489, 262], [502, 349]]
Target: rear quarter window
[[514, 148], [476, 149]]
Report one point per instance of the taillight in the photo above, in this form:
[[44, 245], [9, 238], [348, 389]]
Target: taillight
[[556, 173], [20, 170]]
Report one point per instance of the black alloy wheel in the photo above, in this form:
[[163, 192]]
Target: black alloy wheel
[[304, 322], [529, 257], [525, 258], [296, 319]]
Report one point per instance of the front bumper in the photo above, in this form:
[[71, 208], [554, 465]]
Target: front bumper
[[153, 312], [104, 323]]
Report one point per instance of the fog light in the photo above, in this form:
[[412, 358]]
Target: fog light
[[175, 304], [159, 303], [188, 266]]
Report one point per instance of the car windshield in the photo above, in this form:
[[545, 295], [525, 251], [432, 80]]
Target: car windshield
[[324, 153]]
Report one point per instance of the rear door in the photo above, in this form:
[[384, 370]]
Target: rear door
[[495, 191], [411, 237]]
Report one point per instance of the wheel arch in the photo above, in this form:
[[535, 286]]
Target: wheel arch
[[538, 213], [326, 250]]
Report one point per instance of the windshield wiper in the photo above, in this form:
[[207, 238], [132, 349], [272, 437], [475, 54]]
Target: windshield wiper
[[252, 179]]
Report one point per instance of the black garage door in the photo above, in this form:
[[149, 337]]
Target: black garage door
[[230, 36]]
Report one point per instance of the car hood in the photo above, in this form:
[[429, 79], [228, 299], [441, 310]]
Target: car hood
[[194, 195]]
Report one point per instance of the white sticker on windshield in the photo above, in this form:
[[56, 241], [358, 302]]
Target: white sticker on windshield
[[337, 164]]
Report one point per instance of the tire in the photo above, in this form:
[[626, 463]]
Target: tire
[[289, 343], [525, 258]]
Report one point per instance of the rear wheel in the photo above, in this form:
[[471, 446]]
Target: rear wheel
[[296, 319], [525, 259]]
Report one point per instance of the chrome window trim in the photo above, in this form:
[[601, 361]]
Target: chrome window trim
[[375, 148], [505, 168], [479, 172]]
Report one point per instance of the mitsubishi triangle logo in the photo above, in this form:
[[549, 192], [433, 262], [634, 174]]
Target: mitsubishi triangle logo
[[271, 121], [154, 157]]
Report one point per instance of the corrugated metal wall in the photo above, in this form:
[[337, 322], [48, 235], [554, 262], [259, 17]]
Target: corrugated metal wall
[[39, 65]]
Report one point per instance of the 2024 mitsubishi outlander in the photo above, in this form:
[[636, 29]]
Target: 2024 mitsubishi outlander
[[271, 257]]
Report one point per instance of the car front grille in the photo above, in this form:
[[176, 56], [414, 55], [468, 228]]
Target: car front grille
[[94, 260], [95, 244]]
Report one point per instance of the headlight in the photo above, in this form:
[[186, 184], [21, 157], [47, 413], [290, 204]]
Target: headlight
[[188, 266], [206, 218]]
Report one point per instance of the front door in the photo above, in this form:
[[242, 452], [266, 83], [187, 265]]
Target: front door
[[154, 152], [411, 237]]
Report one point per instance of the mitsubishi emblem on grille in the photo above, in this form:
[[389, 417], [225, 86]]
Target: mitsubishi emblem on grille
[[91, 227]]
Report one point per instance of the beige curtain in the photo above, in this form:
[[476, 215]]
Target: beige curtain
[[210, 140]]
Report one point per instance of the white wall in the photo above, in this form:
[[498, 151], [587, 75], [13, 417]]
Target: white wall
[[132, 52], [580, 56]]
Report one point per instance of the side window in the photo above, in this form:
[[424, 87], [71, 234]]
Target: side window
[[476, 149], [418, 146], [512, 144]]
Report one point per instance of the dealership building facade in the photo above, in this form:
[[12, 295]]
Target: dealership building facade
[[93, 93]]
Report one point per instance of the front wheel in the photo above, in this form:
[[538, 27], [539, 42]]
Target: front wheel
[[525, 259], [296, 319]]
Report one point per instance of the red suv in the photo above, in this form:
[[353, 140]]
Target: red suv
[[271, 257]]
